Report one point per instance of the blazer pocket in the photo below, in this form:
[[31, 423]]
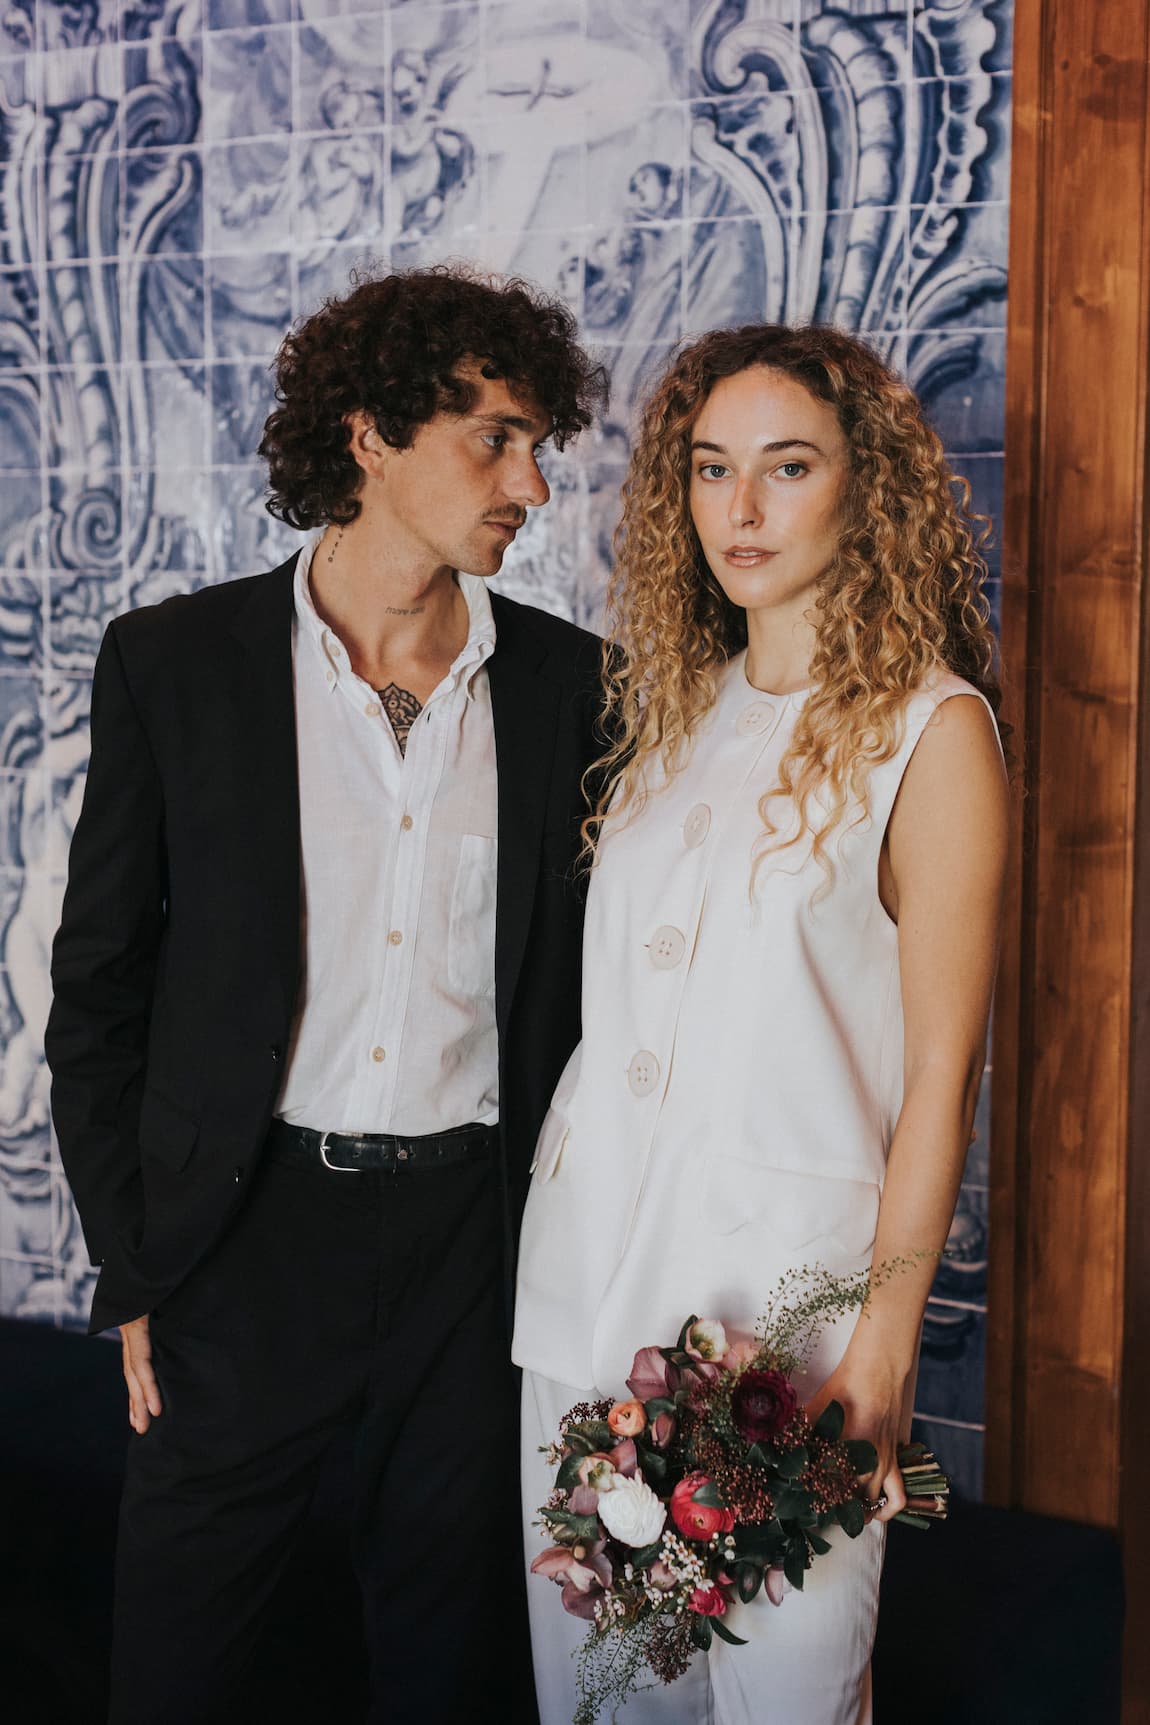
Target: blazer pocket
[[471, 931], [165, 1131], [796, 1209], [553, 1136]]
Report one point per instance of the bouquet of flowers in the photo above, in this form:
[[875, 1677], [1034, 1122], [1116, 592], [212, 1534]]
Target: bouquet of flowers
[[708, 1484]]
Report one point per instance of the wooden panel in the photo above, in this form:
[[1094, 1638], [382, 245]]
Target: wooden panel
[[1070, 1215], [1072, 619]]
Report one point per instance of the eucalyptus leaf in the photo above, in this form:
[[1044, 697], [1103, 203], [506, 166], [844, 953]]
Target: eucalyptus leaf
[[851, 1517], [701, 1631], [708, 1495], [795, 1564], [568, 1476], [830, 1422], [791, 1502], [577, 1442], [818, 1544], [647, 1554], [863, 1455], [724, 1633], [794, 1462], [658, 1405]]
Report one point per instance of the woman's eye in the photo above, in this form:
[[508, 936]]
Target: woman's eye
[[712, 470], [793, 469]]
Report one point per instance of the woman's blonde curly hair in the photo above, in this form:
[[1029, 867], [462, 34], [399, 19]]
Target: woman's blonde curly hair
[[902, 598]]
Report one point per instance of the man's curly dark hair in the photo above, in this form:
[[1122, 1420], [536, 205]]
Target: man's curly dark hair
[[390, 348]]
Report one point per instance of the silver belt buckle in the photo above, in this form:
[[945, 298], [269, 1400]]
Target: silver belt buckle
[[334, 1166]]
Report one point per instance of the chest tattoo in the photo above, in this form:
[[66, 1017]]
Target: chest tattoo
[[402, 710]]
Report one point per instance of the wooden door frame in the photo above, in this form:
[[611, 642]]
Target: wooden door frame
[[1068, 1348]]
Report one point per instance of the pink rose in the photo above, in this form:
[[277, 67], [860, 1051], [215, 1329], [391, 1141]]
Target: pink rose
[[627, 1419], [708, 1602], [697, 1520]]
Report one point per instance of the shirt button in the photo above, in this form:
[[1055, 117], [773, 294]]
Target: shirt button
[[372, 710], [378, 1054], [407, 823], [667, 948], [697, 825], [395, 937], [331, 676], [754, 720], [643, 1073]]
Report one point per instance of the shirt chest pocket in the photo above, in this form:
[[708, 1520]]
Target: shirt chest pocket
[[471, 930]]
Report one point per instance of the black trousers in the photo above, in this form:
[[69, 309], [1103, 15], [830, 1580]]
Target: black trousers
[[335, 1300]]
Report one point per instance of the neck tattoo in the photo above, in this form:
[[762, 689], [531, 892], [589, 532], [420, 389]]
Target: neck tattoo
[[400, 611], [336, 543]]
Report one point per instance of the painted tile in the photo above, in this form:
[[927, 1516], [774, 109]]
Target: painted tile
[[164, 201], [19, 327], [339, 194], [21, 618], [247, 196], [80, 607], [20, 451], [248, 79], [960, 378], [341, 83], [21, 723], [162, 308], [168, 519], [234, 14], [250, 303]]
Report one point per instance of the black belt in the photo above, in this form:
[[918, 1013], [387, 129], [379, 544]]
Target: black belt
[[382, 1152]]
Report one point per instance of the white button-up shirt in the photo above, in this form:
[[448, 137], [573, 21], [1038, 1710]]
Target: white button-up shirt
[[395, 1030]]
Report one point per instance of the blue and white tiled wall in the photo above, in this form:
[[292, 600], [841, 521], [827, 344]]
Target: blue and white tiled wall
[[179, 179]]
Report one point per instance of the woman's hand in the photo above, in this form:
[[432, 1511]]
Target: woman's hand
[[871, 1395]]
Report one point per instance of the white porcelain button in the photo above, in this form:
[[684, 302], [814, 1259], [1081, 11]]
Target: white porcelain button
[[643, 1073], [667, 948], [697, 825], [753, 721]]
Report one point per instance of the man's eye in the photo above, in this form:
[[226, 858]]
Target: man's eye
[[496, 439]]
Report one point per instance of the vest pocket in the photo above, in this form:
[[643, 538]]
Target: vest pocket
[[796, 1209]]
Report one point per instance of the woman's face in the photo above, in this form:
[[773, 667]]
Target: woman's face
[[769, 468]]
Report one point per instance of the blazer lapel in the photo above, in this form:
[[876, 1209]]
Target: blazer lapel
[[525, 712], [263, 627]]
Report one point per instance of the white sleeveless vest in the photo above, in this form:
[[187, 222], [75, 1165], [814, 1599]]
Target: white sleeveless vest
[[728, 1113]]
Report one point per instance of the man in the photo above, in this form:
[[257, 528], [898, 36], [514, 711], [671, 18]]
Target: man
[[317, 974]]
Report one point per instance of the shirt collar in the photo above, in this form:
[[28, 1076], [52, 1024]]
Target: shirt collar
[[475, 652]]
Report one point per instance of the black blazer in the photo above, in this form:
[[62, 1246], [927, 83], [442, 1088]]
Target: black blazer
[[176, 966]]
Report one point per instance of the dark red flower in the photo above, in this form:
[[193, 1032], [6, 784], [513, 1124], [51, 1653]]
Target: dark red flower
[[763, 1405]]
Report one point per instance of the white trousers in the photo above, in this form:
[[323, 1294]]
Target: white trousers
[[806, 1662]]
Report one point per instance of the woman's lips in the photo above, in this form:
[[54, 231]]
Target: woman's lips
[[746, 556]]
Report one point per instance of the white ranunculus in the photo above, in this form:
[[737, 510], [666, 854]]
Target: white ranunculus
[[707, 1340], [631, 1512]]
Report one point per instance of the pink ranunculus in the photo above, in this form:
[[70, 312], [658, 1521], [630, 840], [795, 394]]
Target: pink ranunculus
[[650, 1375], [596, 1470], [739, 1354], [662, 1576], [707, 1339], [763, 1405], [626, 1458], [697, 1520], [627, 1419], [708, 1602]]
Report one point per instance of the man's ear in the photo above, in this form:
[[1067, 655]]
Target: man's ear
[[367, 448]]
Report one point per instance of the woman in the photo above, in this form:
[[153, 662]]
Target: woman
[[789, 950]]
